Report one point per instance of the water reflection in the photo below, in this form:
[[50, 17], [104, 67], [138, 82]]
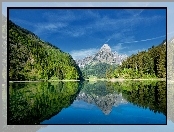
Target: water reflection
[[144, 94], [33, 103], [101, 96]]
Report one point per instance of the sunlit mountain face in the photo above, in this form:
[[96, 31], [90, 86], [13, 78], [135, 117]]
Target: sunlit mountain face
[[104, 55]]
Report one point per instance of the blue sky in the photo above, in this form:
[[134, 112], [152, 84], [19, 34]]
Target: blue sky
[[82, 32]]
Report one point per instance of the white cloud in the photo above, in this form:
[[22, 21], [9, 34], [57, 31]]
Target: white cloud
[[72, 32], [60, 16], [80, 54], [118, 48], [63, 18], [92, 14], [143, 40], [130, 52], [108, 40], [42, 27], [135, 12], [51, 27]]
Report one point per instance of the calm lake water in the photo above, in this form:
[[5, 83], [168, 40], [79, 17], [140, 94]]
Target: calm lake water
[[130, 102]]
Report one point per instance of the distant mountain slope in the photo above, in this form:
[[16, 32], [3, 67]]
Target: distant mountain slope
[[98, 64], [30, 58], [104, 55], [99, 70]]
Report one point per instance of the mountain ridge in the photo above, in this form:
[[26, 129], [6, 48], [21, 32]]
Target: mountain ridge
[[104, 55]]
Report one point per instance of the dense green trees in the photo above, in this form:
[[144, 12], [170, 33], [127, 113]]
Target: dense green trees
[[33, 59], [145, 64], [99, 70]]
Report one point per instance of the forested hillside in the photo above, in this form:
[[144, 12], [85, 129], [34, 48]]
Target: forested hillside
[[99, 70], [30, 58], [146, 64]]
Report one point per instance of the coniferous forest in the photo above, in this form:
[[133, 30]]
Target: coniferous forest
[[98, 70], [30, 58], [145, 64]]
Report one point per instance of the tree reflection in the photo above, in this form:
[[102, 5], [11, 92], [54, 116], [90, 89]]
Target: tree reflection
[[146, 94], [32, 103]]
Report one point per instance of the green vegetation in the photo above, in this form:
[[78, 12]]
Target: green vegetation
[[33, 59], [145, 64], [32, 103], [98, 70]]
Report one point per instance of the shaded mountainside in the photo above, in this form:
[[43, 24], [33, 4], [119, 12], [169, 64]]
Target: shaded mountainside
[[30, 58], [104, 55]]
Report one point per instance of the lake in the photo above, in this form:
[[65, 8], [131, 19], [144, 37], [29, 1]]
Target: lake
[[101, 102]]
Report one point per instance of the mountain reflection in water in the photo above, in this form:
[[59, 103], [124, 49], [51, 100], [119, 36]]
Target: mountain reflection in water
[[84, 102]]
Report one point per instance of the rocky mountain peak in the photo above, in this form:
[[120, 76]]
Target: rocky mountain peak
[[104, 55], [105, 48]]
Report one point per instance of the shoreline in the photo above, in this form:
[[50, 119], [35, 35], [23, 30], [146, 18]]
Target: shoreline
[[111, 80], [47, 81], [122, 79], [140, 79]]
